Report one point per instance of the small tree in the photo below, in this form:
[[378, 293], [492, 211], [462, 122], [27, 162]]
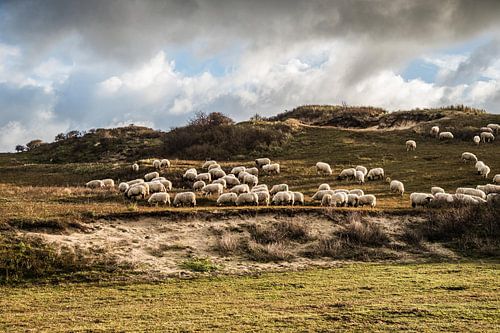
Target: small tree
[[20, 148], [34, 144], [60, 137]]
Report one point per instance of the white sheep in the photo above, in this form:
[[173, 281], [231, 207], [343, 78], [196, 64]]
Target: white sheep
[[283, 198], [151, 175], [375, 173], [253, 171], [155, 187], [260, 188], [352, 200], [236, 170], [494, 127], [420, 199], [231, 180], [340, 198], [160, 197], [145, 185], [397, 187], [359, 176], [214, 166], [493, 198], [185, 199], [164, 163], [242, 175], [247, 199], [206, 177], [443, 198], [264, 197], [217, 173], [278, 188], [108, 182], [467, 199], [166, 183], [362, 169], [484, 171], [138, 190], [320, 194], [323, 168], [471, 191], [250, 180], [476, 139], [434, 131], [327, 200], [207, 164], [271, 168], [489, 188], [135, 167], [468, 157], [445, 136], [411, 145], [367, 200], [356, 191], [135, 181], [487, 137], [190, 174], [227, 199], [323, 187], [221, 181], [341, 190], [198, 185], [260, 162], [486, 129], [347, 174], [496, 179], [478, 165], [212, 189], [238, 189], [436, 189], [96, 183], [157, 164], [298, 198], [123, 187]]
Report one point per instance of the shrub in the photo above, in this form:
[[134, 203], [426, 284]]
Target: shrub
[[271, 252], [359, 232], [199, 265], [227, 244], [279, 232]]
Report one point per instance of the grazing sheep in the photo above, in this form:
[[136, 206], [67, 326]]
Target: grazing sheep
[[155, 187], [487, 137], [298, 198], [467, 157], [494, 127], [375, 173], [359, 176], [434, 131], [435, 190], [323, 187], [151, 175], [206, 177], [145, 185], [221, 181], [264, 197], [340, 198], [135, 181], [411, 145], [242, 175], [467, 199], [341, 190], [478, 165], [362, 169], [247, 199], [238, 189], [283, 198], [123, 187], [347, 174], [471, 191], [476, 139], [271, 168], [443, 198], [323, 168], [108, 182], [135, 167], [367, 200], [320, 194], [253, 171], [166, 183], [260, 162], [207, 164], [489, 188], [216, 173], [214, 166], [484, 171], [486, 129], [231, 180], [164, 163], [420, 199], [190, 174], [157, 164], [493, 199], [352, 200], [212, 189], [260, 188], [135, 191], [236, 170], [445, 136], [278, 188], [185, 199], [161, 197], [397, 187], [198, 185], [496, 179], [227, 199], [250, 180], [356, 191], [95, 184], [327, 200]]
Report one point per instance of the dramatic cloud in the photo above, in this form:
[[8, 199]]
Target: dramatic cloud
[[80, 64]]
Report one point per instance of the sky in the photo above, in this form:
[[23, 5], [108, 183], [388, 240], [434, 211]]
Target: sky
[[75, 65]]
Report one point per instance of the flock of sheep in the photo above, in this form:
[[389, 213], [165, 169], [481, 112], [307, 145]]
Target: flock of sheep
[[241, 186]]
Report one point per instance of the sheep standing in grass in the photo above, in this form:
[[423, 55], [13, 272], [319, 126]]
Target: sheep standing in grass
[[327, 200], [157, 164], [238, 189], [271, 168], [278, 188], [108, 182], [397, 187], [212, 189], [367, 200], [123, 187], [151, 175], [96, 183], [166, 183], [478, 165], [206, 177], [347, 174], [359, 176], [137, 191], [231, 180], [198, 185], [446, 136], [236, 170], [467, 199], [135, 181], [476, 139], [362, 169], [260, 188], [264, 197], [298, 198], [375, 173], [253, 171], [489, 188], [323, 168], [164, 163], [494, 127], [323, 187], [217, 173], [420, 199], [471, 191], [190, 174], [155, 187], [160, 197], [135, 167], [469, 157], [214, 166], [443, 198], [486, 129], [227, 199], [484, 171], [435, 190], [487, 137], [356, 191], [221, 181], [411, 145], [247, 199], [207, 164], [283, 198], [496, 179], [434, 131], [352, 200], [250, 180], [260, 162], [185, 199]]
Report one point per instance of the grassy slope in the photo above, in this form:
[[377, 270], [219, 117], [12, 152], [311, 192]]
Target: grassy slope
[[427, 297]]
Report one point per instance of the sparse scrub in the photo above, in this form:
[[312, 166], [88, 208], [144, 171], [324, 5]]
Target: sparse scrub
[[269, 252], [199, 265], [280, 232], [227, 244], [362, 232]]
